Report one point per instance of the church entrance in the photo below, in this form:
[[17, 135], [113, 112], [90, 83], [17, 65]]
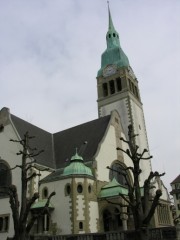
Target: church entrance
[[112, 220]]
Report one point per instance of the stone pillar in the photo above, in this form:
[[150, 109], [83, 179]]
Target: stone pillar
[[124, 219]]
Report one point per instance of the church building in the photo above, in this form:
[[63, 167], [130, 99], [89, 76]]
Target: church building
[[74, 163]]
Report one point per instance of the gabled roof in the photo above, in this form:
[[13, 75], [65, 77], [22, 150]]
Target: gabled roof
[[176, 180], [60, 147]]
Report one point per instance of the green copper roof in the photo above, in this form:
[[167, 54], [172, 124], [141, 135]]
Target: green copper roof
[[41, 204], [77, 167], [114, 53], [113, 189]]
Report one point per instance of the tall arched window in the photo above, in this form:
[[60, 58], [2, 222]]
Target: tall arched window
[[117, 172], [5, 177]]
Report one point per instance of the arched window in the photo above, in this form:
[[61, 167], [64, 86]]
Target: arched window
[[80, 225], [45, 192], [79, 188], [117, 172], [89, 188], [5, 177], [68, 189]]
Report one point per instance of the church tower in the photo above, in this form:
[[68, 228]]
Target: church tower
[[118, 89]]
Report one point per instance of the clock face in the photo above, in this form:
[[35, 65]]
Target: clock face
[[109, 70]]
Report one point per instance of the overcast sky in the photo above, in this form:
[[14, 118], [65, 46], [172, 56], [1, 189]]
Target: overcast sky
[[50, 52]]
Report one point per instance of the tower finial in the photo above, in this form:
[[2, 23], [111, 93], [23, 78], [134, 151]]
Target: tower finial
[[111, 26], [76, 150]]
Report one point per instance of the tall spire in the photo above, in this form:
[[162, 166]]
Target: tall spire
[[111, 25], [112, 36], [114, 53]]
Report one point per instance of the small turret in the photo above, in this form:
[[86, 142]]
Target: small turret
[[77, 167]]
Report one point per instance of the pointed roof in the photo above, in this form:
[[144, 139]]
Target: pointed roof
[[114, 53], [41, 204], [111, 25], [113, 189]]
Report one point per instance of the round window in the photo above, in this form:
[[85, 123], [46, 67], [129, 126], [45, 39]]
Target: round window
[[79, 188]]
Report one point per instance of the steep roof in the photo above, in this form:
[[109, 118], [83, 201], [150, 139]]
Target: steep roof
[[59, 147], [176, 180], [85, 137], [42, 140]]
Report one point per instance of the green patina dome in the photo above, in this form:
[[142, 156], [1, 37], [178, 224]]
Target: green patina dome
[[77, 167], [114, 53]]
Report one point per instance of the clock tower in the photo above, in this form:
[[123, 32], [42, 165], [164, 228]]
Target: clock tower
[[118, 89]]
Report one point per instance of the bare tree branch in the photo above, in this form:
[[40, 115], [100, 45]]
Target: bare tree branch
[[29, 204], [21, 215], [153, 207], [125, 199]]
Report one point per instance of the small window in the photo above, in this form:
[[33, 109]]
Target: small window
[[112, 88], [119, 85], [89, 189], [1, 224], [4, 223], [79, 188], [45, 192], [136, 92], [133, 89], [114, 34], [105, 89], [5, 176], [179, 206], [130, 87], [80, 225], [68, 189], [177, 196], [109, 35]]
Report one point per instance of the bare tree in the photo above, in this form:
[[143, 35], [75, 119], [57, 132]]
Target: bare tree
[[23, 221], [142, 207]]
